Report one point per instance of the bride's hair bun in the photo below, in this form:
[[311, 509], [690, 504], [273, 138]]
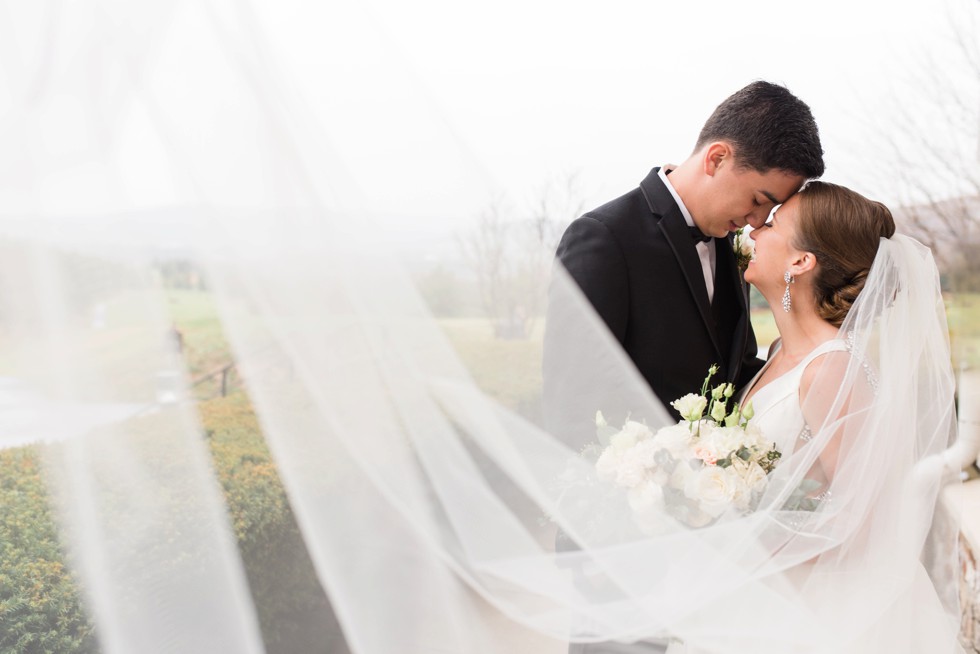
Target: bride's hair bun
[[842, 229]]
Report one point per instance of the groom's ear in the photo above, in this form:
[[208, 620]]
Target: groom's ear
[[717, 155]]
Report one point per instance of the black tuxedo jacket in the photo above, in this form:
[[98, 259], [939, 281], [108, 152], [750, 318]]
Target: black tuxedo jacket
[[636, 262]]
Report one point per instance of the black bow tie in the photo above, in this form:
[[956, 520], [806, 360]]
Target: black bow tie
[[698, 235]]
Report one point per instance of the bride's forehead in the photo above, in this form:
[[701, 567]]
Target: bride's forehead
[[786, 209]]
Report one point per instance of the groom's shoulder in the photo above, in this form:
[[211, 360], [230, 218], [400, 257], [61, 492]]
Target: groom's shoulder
[[620, 211]]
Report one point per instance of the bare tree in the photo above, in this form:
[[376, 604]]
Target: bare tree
[[929, 152], [511, 253]]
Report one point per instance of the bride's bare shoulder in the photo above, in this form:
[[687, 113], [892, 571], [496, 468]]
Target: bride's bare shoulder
[[826, 373]]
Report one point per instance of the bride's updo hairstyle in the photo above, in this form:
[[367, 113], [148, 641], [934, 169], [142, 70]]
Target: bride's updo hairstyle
[[842, 229]]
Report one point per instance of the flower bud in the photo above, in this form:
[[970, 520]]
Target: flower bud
[[718, 412]]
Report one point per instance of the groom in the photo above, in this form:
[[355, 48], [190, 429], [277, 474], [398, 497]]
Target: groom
[[657, 264]]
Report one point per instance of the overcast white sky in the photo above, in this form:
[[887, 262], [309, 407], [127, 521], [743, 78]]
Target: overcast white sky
[[420, 112], [441, 100]]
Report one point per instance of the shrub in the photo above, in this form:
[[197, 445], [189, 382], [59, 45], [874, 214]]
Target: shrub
[[40, 604], [292, 607], [40, 609]]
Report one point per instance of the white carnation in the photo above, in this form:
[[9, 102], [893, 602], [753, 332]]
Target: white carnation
[[645, 453], [631, 433], [630, 473], [730, 439], [674, 439], [608, 463]]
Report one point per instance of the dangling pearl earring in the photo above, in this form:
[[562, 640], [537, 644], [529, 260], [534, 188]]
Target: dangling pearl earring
[[787, 301]]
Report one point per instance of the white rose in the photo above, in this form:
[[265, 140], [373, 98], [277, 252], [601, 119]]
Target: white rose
[[750, 476], [691, 406], [746, 246], [713, 488]]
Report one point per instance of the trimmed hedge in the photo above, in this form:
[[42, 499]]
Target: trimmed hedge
[[293, 610], [39, 603], [40, 607]]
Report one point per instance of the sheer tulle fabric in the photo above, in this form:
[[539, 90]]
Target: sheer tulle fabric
[[431, 510]]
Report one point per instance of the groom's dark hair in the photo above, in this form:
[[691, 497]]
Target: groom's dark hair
[[769, 128]]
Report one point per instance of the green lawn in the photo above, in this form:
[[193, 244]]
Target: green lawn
[[196, 317], [963, 312], [508, 370], [764, 326]]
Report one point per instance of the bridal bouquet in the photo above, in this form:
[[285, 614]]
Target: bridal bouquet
[[710, 461]]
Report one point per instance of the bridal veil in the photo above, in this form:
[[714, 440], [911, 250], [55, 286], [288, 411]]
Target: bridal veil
[[429, 506]]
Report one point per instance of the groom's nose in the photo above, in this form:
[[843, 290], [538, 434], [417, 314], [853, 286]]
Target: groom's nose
[[757, 218]]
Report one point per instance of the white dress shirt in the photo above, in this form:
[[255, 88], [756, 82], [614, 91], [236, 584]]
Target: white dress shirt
[[706, 251]]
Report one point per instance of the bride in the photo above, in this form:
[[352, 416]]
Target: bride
[[812, 259]]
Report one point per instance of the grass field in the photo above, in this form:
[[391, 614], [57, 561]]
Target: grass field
[[963, 313], [509, 370], [196, 317]]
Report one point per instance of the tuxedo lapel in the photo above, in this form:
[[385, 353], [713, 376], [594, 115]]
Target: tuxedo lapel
[[726, 257], [675, 230]]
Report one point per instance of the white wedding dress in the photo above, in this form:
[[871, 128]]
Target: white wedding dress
[[916, 620], [779, 415], [777, 404]]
